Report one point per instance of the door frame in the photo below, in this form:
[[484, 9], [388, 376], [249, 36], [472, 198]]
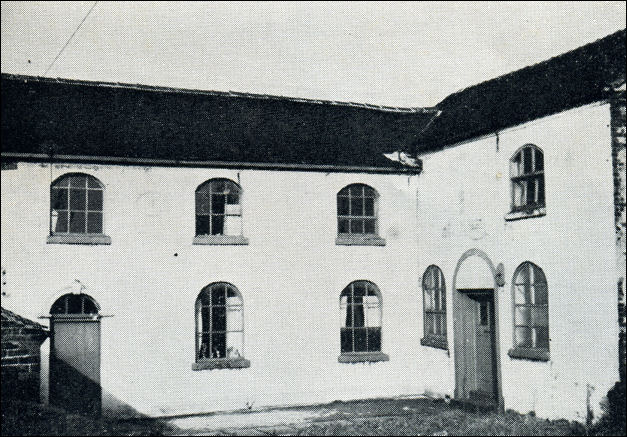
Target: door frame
[[458, 335]]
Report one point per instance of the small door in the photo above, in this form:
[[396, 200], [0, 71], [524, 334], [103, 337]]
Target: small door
[[75, 355], [485, 350]]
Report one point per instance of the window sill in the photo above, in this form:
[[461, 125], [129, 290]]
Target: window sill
[[438, 343], [529, 354], [90, 239], [359, 240], [221, 240], [362, 357], [519, 215], [221, 363]]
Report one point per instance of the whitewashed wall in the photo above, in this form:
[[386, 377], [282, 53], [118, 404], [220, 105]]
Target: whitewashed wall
[[463, 196], [290, 275]]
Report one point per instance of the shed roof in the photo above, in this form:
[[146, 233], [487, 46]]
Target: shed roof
[[572, 79], [99, 119]]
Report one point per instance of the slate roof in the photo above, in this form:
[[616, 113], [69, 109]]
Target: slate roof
[[9, 317], [572, 79], [97, 119]]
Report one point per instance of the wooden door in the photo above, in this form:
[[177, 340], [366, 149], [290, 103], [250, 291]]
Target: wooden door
[[75, 364], [484, 333]]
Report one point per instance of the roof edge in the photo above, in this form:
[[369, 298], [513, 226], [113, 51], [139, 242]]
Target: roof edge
[[234, 94], [325, 168]]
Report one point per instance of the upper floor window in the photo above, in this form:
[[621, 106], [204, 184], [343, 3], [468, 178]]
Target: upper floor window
[[357, 215], [219, 213], [531, 313], [76, 210], [527, 175], [74, 304], [360, 312], [220, 328], [434, 308]]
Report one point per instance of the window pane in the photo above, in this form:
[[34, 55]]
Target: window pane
[[58, 198], [59, 221], [89, 306], [94, 223], [540, 316], [515, 165], [527, 159], [541, 190], [443, 327], [436, 299], [369, 226], [217, 203], [357, 226], [218, 318], [93, 183], [342, 226], [357, 206], [64, 182], [539, 160], [232, 298], [217, 225], [523, 316], [202, 203], [429, 324], [342, 205], [74, 304], [428, 299], [518, 193], [77, 199], [218, 296], [542, 337], [361, 339], [344, 191], [202, 225], [58, 307], [358, 316], [359, 289], [218, 186], [369, 192], [78, 181], [346, 340], [374, 339], [218, 345], [235, 319], [204, 297], [531, 192], [205, 351], [369, 207], [205, 319], [442, 298], [373, 314], [77, 222], [523, 337], [234, 344], [357, 190], [94, 200], [541, 293], [232, 199]]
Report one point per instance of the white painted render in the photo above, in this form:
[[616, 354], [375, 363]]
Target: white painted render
[[291, 273]]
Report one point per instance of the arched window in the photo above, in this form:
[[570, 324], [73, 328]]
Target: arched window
[[357, 210], [434, 305], [76, 205], [220, 327], [218, 208], [74, 305], [531, 308], [360, 312], [527, 175]]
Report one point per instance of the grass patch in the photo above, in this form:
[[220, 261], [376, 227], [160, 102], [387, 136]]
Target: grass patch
[[28, 418]]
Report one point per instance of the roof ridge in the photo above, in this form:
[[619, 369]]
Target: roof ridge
[[230, 93]]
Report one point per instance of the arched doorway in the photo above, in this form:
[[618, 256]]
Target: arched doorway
[[75, 354], [475, 300]]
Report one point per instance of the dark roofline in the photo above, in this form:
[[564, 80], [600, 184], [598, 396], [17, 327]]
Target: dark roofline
[[110, 160], [234, 94]]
